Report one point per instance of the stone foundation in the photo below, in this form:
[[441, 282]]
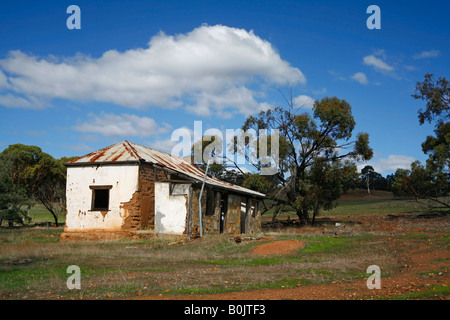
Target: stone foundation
[[107, 235]]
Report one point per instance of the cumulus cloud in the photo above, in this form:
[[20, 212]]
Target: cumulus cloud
[[80, 147], [165, 145], [389, 164], [360, 77], [226, 104], [377, 63], [17, 101], [427, 54], [211, 67], [357, 76], [3, 81], [122, 125], [304, 101]]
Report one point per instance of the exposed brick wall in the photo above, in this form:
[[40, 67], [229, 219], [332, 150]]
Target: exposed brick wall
[[131, 213], [140, 210]]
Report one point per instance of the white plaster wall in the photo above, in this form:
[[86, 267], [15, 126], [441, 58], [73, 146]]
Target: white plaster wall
[[170, 210], [124, 182]]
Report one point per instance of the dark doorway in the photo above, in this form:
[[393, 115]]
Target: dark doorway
[[223, 212]]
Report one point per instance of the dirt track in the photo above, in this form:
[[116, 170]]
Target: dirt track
[[415, 260]]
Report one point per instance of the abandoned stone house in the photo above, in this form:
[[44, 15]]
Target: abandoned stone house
[[128, 189]]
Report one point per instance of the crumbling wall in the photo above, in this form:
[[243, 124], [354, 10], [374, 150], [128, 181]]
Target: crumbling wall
[[254, 218], [122, 183], [211, 222], [233, 220], [195, 220], [233, 223], [139, 212]]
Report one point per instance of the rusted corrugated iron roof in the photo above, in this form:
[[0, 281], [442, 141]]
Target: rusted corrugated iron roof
[[126, 151]]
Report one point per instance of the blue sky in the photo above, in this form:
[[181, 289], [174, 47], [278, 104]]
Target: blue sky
[[138, 70]]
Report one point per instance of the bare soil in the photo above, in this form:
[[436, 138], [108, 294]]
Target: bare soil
[[280, 247], [422, 265]]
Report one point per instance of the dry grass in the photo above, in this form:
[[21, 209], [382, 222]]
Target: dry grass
[[120, 269], [33, 262]]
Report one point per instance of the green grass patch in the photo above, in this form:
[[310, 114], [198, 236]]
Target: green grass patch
[[358, 202], [286, 282], [37, 235], [39, 214], [437, 292], [252, 262], [22, 277], [328, 245]]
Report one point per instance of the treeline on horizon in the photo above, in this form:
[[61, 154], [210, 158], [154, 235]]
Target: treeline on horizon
[[311, 173]]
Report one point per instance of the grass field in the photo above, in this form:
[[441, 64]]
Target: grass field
[[356, 202], [33, 261], [39, 214], [359, 202], [34, 265]]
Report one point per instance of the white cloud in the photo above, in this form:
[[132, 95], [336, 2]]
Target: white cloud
[[16, 101], [121, 125], [226, 104], [377, 63], [208, 64], [81, 147], [3, 81], [360, 77], [304, 101], [389, 164], [427, 54], [320, 92], [337, 75], [165, 145]]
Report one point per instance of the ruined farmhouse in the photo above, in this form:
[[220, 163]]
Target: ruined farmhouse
[[130, 190]]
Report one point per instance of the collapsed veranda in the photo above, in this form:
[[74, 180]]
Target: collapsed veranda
[[131, 190]]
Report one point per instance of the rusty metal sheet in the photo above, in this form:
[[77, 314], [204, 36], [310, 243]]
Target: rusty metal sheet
[[128, 151]]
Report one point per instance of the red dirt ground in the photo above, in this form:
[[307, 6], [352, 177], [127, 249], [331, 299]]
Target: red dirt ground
[[415, 259], [277, 247]]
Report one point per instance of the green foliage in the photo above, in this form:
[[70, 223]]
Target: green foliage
[[312, 173], [323, 185], [422, 183], [374, 179], [437, 97], [29, 172], [336, 114], [258, 183], [367, 173], [362, 150], [431, 181], [14, 203], [349, 176], [438, 147]]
